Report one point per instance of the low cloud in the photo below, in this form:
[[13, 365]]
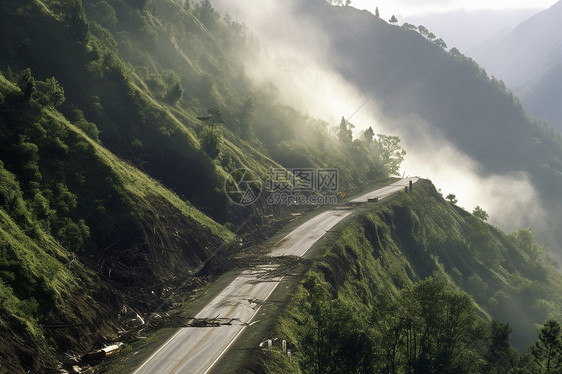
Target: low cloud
[[295, 56], [510, 199]]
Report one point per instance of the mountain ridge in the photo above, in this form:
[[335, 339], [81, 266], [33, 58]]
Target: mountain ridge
[[419, 86], [529, 60], [105, 158], [120, 123]]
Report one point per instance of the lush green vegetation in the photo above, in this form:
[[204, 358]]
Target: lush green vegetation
[[120, 121], [115, 117], [416, 285], [66, 204], [149, 73]]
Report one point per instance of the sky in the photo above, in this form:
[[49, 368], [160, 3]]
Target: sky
[[407, 8], [450, 19]]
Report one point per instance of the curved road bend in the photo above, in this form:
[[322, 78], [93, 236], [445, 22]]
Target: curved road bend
[[195, 350]]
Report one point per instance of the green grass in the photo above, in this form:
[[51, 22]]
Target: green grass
[[101, 211], [143, 186], [43, 282], [388, 246]]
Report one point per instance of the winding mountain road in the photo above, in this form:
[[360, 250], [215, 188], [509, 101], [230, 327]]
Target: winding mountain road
[[195, 350]]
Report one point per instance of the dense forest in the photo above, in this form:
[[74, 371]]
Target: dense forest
[[121, 120], [145, 73], [418, 285]]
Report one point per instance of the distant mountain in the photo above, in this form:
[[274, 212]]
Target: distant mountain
[[433, 96], [543, 97], [529, 60], [453, 26]]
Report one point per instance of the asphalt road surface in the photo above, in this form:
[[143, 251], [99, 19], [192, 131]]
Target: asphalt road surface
[[195, 350], [383, 192]]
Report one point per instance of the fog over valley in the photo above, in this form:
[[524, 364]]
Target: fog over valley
[[281, 187], [297, 54]]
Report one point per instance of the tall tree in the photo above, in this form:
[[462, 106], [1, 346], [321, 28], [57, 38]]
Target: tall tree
[[455, 52], [207, 14], [209, 136], [368, 136], [316, 337], [210, 140], [75, 19], [408, 26], [452, 198], [440, 43], [547, 350], [439, 329], [377, 13], [393, 19], [389, 319], [51, 93], [392, 153], [345, 131], [480, 213], [499, 356], [26, 84]]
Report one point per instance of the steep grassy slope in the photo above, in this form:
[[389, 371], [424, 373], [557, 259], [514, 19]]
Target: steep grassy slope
[[109, 92], [364, 279], [82, 234], [115, 117], [149, 74]]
